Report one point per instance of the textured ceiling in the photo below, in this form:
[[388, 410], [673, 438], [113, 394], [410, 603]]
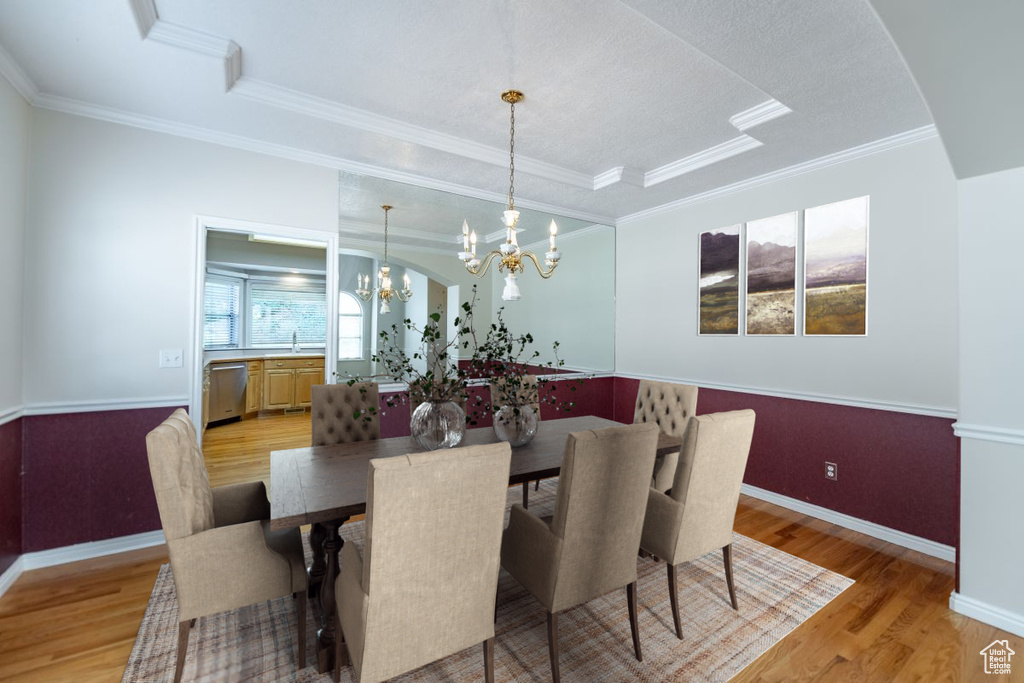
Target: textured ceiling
[[649, 101]]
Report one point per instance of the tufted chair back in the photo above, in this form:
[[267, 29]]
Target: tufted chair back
[[670, 406], [528, 395], [334, 413], [182, 487]]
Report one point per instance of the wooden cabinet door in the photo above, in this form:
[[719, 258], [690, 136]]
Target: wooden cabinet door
[[253, 393], [305, 378], [278, 388]]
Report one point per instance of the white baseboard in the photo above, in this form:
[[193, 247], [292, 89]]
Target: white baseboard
[[8, 578], [922, 545], [87, 551], [986, 613]]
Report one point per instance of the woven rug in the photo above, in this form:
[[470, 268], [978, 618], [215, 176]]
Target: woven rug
[[776, 592]]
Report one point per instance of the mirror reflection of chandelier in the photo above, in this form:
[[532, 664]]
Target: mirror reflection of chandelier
[[510, 255], [384, 290]]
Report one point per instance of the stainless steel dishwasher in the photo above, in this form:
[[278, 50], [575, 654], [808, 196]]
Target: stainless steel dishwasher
[[227, 390]]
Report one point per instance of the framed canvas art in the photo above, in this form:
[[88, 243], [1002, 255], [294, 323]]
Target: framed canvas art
[[771, 275], [836, 269], [719, 309]]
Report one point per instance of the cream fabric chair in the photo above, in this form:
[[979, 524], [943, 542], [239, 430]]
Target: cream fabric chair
[[425, 585], [670, 406], [223, 553], [333, 413], [589, 546], [697, 517], [529, 394]]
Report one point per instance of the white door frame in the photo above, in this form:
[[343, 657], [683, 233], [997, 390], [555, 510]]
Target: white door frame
[[204, 224]]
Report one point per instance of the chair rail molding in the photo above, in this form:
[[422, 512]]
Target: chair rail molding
[[871, 404], [966, 430]]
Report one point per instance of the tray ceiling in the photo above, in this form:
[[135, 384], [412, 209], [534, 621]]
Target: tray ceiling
[[629, 104]]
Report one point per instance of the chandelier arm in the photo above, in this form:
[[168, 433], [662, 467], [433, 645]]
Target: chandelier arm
[[398, 293], [480, 270], [540, 269]]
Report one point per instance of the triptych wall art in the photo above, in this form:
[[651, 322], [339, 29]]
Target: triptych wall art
[[834, 283]]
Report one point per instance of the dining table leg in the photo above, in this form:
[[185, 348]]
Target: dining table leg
[[315, 573], [325, 637]]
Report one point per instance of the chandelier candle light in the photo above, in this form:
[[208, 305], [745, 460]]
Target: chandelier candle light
[[384, 290], [510, 255]]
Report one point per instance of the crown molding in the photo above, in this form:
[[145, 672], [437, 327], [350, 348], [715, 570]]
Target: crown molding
[[328, 110], [867, 149], [762, 113], [377, 231], [17, 77], [570, 235], [78, 108], [376, 246], [711, 155]]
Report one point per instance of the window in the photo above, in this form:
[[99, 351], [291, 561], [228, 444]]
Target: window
[[350, 328], [279, 311], [221, 304]]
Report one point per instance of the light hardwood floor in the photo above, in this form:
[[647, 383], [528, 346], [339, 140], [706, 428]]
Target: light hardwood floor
[[77, 622]]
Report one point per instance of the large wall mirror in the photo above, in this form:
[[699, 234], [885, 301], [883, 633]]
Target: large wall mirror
[[575, 307]]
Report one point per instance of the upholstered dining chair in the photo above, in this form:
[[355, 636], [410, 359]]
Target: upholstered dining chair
[[670, 406], [698, 514], [528, 394], [589, 546], [222, 551], [425, 585], [334, 413]]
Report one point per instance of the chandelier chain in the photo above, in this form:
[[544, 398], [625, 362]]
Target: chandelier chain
[[512, 158], [386, 235]]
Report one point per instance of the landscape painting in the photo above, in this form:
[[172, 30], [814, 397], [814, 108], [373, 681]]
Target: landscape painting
[[719, 281], [771, 275], [836, 268]]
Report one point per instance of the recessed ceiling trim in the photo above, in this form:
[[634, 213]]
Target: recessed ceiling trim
[[706, 157], [619, 174], [762, 113], [17, 77], [144, 12], [867, 149], [376, 247]]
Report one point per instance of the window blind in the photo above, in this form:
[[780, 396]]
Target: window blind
[[278, 312], [221, 304]]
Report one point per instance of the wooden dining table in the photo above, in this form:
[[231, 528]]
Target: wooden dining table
[[325, 486]]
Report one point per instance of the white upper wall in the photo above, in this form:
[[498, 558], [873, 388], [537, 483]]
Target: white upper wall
[[909, 357], [109, 258], [15, 132]]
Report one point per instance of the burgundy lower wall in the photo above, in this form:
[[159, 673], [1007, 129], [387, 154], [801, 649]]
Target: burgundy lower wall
[[10, 493], [87, 477], [895, 469]]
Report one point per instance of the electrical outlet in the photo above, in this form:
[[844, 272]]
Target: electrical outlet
[[831, 471], [170, 358]]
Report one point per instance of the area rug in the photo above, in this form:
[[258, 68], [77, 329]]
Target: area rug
[[776, 592]]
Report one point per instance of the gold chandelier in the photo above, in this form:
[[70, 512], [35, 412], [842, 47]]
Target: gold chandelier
[[384, 290], [510, 255]]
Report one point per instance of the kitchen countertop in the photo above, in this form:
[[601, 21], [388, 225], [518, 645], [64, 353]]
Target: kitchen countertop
[[262, 356]]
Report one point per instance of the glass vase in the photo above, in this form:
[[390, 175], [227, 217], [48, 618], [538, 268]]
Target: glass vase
[[438, 425], [515, 424]]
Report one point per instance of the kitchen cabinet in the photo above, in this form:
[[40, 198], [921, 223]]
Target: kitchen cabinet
[[254, 387], [288, 382]]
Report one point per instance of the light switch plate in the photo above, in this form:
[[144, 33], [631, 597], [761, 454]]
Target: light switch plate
[[170, 358]]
